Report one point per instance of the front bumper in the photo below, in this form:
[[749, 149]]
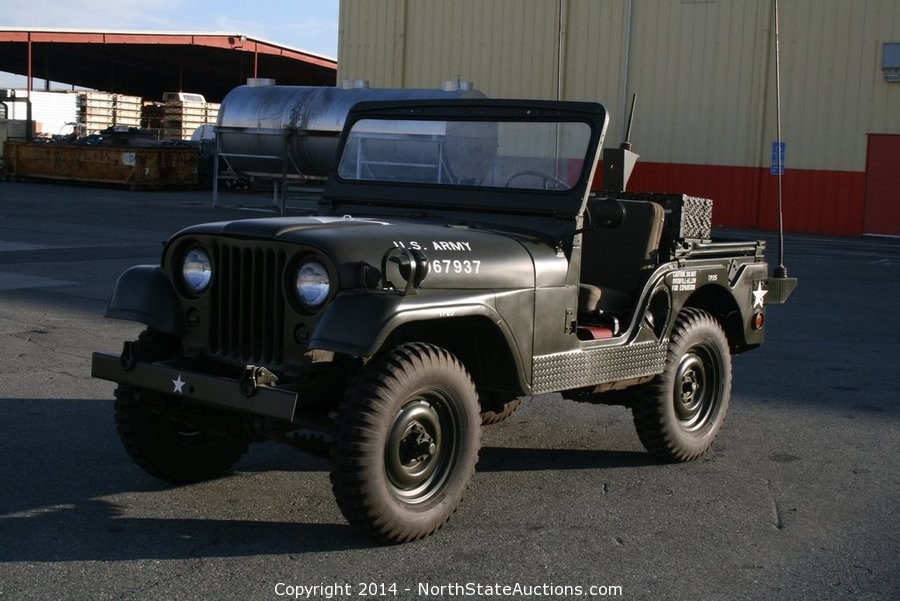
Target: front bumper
[[225, 393]]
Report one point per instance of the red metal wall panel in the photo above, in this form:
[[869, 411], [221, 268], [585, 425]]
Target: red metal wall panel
[[821, 202], [815, 201], [882, 208]]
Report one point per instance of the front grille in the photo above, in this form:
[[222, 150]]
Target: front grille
[[247, 317]]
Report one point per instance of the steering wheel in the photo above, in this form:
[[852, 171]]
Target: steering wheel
[[546, 179]]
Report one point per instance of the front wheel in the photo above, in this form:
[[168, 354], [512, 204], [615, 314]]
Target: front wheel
[[407, 443], [679, 413], [172, 450], [495, 408]]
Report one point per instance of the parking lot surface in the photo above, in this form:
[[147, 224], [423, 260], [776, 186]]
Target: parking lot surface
[[796, 500]]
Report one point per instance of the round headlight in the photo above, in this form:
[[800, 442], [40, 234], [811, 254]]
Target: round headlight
[[313, 284], [196, 270]]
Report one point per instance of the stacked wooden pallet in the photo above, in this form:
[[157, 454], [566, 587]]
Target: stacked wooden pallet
[[100, 110], [152, 115], [183, 117]]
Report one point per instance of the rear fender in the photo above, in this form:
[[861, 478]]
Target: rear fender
[[732, 300], [144, 294]]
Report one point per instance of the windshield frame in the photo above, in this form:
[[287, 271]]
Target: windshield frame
[[462, 197]]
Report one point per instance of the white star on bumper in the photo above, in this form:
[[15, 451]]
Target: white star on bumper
[[178, 384]]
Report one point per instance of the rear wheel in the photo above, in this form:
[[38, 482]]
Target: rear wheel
[[172, 450], [679, 413], [407, 443]]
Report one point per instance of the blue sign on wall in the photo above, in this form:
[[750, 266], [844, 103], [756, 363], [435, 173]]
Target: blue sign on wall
[[777, 158]]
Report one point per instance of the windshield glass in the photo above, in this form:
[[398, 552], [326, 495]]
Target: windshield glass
[[530, 155]]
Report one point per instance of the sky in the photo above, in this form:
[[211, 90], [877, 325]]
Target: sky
[[305, 24]]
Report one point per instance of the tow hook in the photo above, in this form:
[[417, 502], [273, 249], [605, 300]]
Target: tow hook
[[254, 377]]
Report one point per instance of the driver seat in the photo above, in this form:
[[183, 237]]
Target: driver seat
[[615, 262]]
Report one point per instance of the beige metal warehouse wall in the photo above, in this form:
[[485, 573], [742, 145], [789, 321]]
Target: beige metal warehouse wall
[[505, 46], [699, 69], [703, 69], [704, 72], [834, 91]]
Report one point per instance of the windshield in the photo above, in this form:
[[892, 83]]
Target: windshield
[[529, 155]]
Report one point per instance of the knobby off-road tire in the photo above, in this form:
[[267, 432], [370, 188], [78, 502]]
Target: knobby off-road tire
[[494, 410], [679, 413], [171, 451], [407, 444]]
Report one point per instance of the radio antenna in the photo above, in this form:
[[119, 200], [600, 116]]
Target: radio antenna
[[626, 143], [619, 162], [781, 270]]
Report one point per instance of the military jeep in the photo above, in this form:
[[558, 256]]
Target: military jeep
[[459, 262]]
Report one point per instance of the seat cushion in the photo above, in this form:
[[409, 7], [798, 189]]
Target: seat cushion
[[595, 299], [621, 257], [588, 298]]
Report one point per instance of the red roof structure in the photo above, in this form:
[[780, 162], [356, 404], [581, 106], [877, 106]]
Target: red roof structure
[[148, 63]]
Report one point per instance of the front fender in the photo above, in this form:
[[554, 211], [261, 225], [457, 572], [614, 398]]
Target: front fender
[[144, 294], [359, 323]]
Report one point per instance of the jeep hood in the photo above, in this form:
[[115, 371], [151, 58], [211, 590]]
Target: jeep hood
[[459, 257]]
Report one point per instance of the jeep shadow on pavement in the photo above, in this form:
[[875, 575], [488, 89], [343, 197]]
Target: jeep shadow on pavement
[[459, 263]]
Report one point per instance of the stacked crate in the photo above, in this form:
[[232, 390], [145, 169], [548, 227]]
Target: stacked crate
[[152, 115], [183, 117], [98, 111], [52, 113]]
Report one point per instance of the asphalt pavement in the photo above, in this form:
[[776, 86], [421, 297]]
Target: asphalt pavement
[[798, 499]]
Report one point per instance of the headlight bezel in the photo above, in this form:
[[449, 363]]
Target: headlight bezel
[[316, 269], [196, 289], [205, 277]]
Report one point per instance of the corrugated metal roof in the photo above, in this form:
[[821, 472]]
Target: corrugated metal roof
[[149, 63], [137, 33]]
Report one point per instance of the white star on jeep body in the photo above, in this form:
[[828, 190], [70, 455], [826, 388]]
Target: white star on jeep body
[[758, 295], [178, 384]]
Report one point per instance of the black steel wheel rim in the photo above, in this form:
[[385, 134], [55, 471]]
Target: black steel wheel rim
[[421, 446], [696, 393]]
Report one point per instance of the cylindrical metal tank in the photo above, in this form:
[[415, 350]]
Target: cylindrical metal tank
[[268, 129]]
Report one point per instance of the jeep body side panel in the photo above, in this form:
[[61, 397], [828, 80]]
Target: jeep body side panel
[[570, 363], [732, 289]]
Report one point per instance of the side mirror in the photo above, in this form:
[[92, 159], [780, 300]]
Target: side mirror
[[606, 213]]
